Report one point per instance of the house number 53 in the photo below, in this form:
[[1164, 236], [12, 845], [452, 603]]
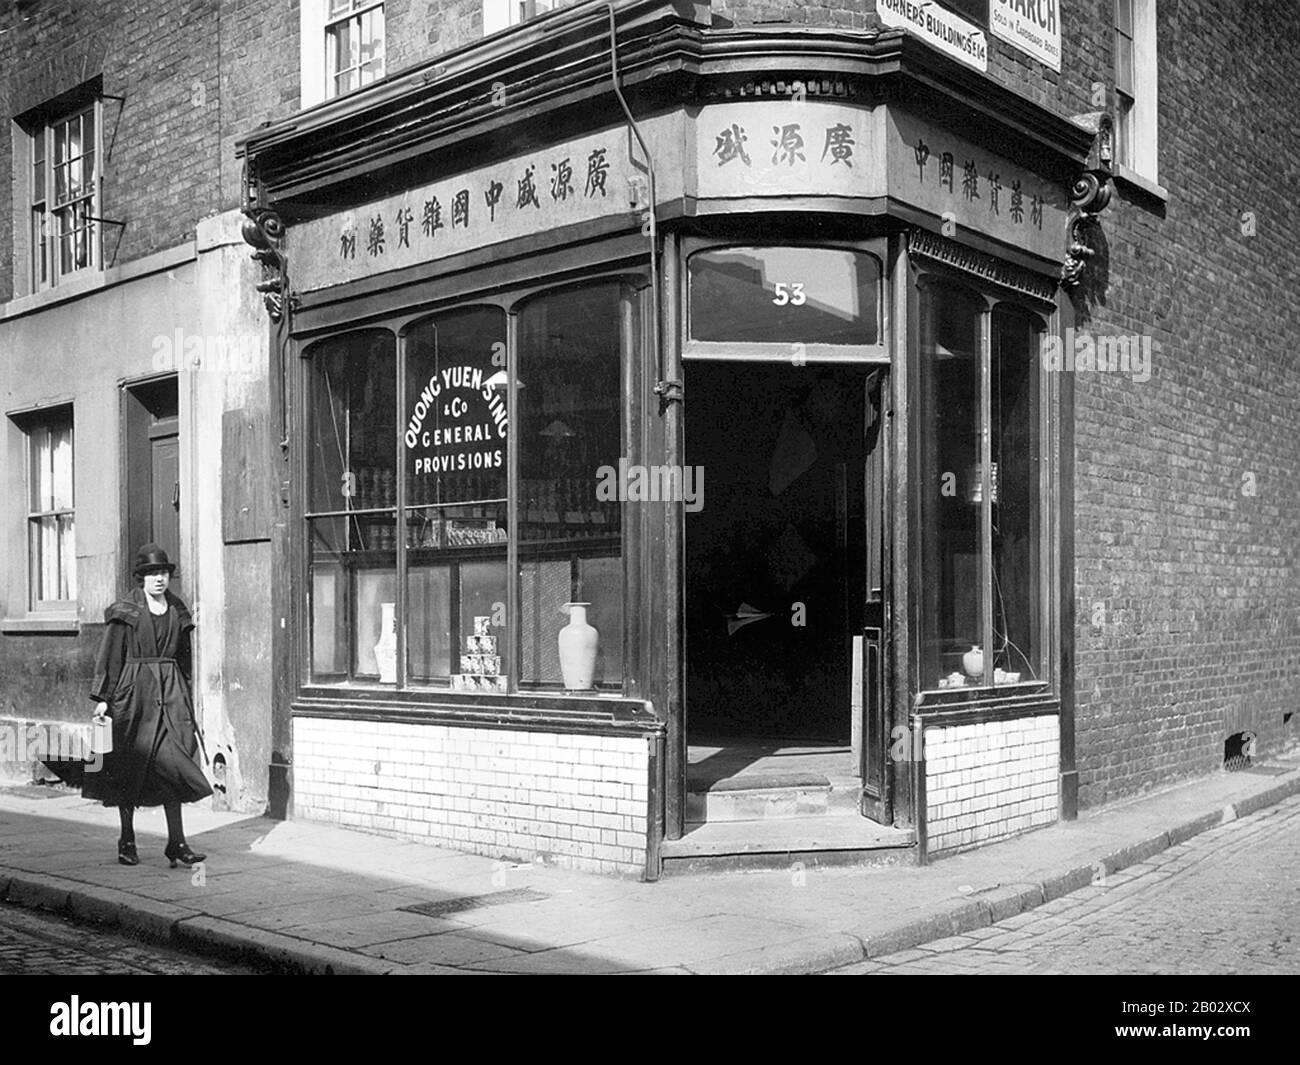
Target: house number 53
[[791, 293]]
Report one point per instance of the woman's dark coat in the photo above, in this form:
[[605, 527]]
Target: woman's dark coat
[[143, 672]]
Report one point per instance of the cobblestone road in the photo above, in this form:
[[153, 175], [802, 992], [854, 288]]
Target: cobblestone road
[[32, 942], [1227, 901]]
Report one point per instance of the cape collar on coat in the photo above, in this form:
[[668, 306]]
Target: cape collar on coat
[[134, 610]]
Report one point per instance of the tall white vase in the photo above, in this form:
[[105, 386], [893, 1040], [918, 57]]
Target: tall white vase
[[577, 645], [973, 662], [386, 648]]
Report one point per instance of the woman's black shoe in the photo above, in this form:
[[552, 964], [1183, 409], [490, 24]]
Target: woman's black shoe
[[180, 852], [126, 853]]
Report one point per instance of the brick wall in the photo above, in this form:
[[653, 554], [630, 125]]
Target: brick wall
[[1188, 626], [989, 781], [578, 801]]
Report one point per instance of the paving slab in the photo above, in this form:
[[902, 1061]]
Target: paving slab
[[308, 897]]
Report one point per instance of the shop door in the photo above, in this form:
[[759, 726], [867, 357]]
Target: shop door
[[785, 597]]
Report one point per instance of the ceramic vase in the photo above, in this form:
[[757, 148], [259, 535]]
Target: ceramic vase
[[973, 663], [386, 648], [577, 645]]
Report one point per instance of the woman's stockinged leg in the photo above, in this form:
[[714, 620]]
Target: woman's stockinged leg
[[175, 829], [127, 816]]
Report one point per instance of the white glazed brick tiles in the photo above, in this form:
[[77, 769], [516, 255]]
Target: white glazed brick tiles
[[577, 801], [989, 781]]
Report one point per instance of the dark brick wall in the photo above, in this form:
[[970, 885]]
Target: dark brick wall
[[161, 55], [420, 29], [1196, 584]]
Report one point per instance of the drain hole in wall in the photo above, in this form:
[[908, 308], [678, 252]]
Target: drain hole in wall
[[1238, 751]]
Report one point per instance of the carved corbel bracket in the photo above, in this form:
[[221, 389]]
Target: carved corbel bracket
[[263, 230], [1090, 194]]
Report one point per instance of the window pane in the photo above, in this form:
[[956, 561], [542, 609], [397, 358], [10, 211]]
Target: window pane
[[456, 558], [1124, 16], [1124, 65], [1017, 496], [571, 350], [456, 413], [330, 602], [60, 142], [61, 467], [785, 295], [67, 557], [38, 480], [88, 173], [61, 183], [339, 7], [376, 597], [352, 424], [88, 132], [950, 482]]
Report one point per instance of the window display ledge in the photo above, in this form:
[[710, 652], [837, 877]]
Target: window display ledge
[[601, 715], [986, 705]]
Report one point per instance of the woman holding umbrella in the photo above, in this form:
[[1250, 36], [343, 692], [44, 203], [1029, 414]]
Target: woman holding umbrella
[[143, 682]]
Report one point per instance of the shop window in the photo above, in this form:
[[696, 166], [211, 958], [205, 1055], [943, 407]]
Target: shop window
[[980, 521], [806, 301], [51, 539], [571, 352], [502, 14], [351, 500], [1136, 87], [418, 556], [64, 202], [455, 434]]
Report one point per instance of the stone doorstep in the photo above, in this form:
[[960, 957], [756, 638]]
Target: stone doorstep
[[763, 796]]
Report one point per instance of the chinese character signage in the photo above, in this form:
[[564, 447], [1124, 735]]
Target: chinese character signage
[[943, 29], [575, 182], [1033, 26], [970, 188], [791, 147]]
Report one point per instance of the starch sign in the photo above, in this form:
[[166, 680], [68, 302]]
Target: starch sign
[[1033, 26]]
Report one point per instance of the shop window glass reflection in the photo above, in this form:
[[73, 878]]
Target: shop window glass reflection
[[1017, 504], [455, 432], [950, 482], [351, 499], [785, 295], [571, 351]]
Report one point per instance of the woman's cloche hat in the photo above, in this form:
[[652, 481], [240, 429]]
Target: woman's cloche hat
[[151, 557]]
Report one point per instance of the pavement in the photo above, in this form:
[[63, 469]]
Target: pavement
[[302, 897]]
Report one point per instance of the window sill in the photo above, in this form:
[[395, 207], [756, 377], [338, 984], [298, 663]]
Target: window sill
[[1132, 178], [97, 281], [57, 625]]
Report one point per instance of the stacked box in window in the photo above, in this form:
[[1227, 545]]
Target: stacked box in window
[[483, 665], [481, 645], [475, 682]]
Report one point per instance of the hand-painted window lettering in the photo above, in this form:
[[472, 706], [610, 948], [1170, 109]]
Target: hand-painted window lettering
[[839, 142], [945, 171], [922, 153], [492, 197], [431, 221], [528, 190], [375, 237], [731, 145], [561, 180], [788, 144], [597, 171], [460, 209], [1017, 203]]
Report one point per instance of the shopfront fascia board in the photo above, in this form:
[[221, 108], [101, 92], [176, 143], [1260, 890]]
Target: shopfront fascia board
[[726, 157], [487, 101]]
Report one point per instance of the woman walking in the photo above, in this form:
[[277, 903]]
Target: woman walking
[[143, 682]]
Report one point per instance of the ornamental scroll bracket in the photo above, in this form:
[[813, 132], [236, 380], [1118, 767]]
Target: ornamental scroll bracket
[[1090, 194], [263, 230]]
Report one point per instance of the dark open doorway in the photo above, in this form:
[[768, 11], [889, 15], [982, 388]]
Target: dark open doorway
[[776, 558]]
